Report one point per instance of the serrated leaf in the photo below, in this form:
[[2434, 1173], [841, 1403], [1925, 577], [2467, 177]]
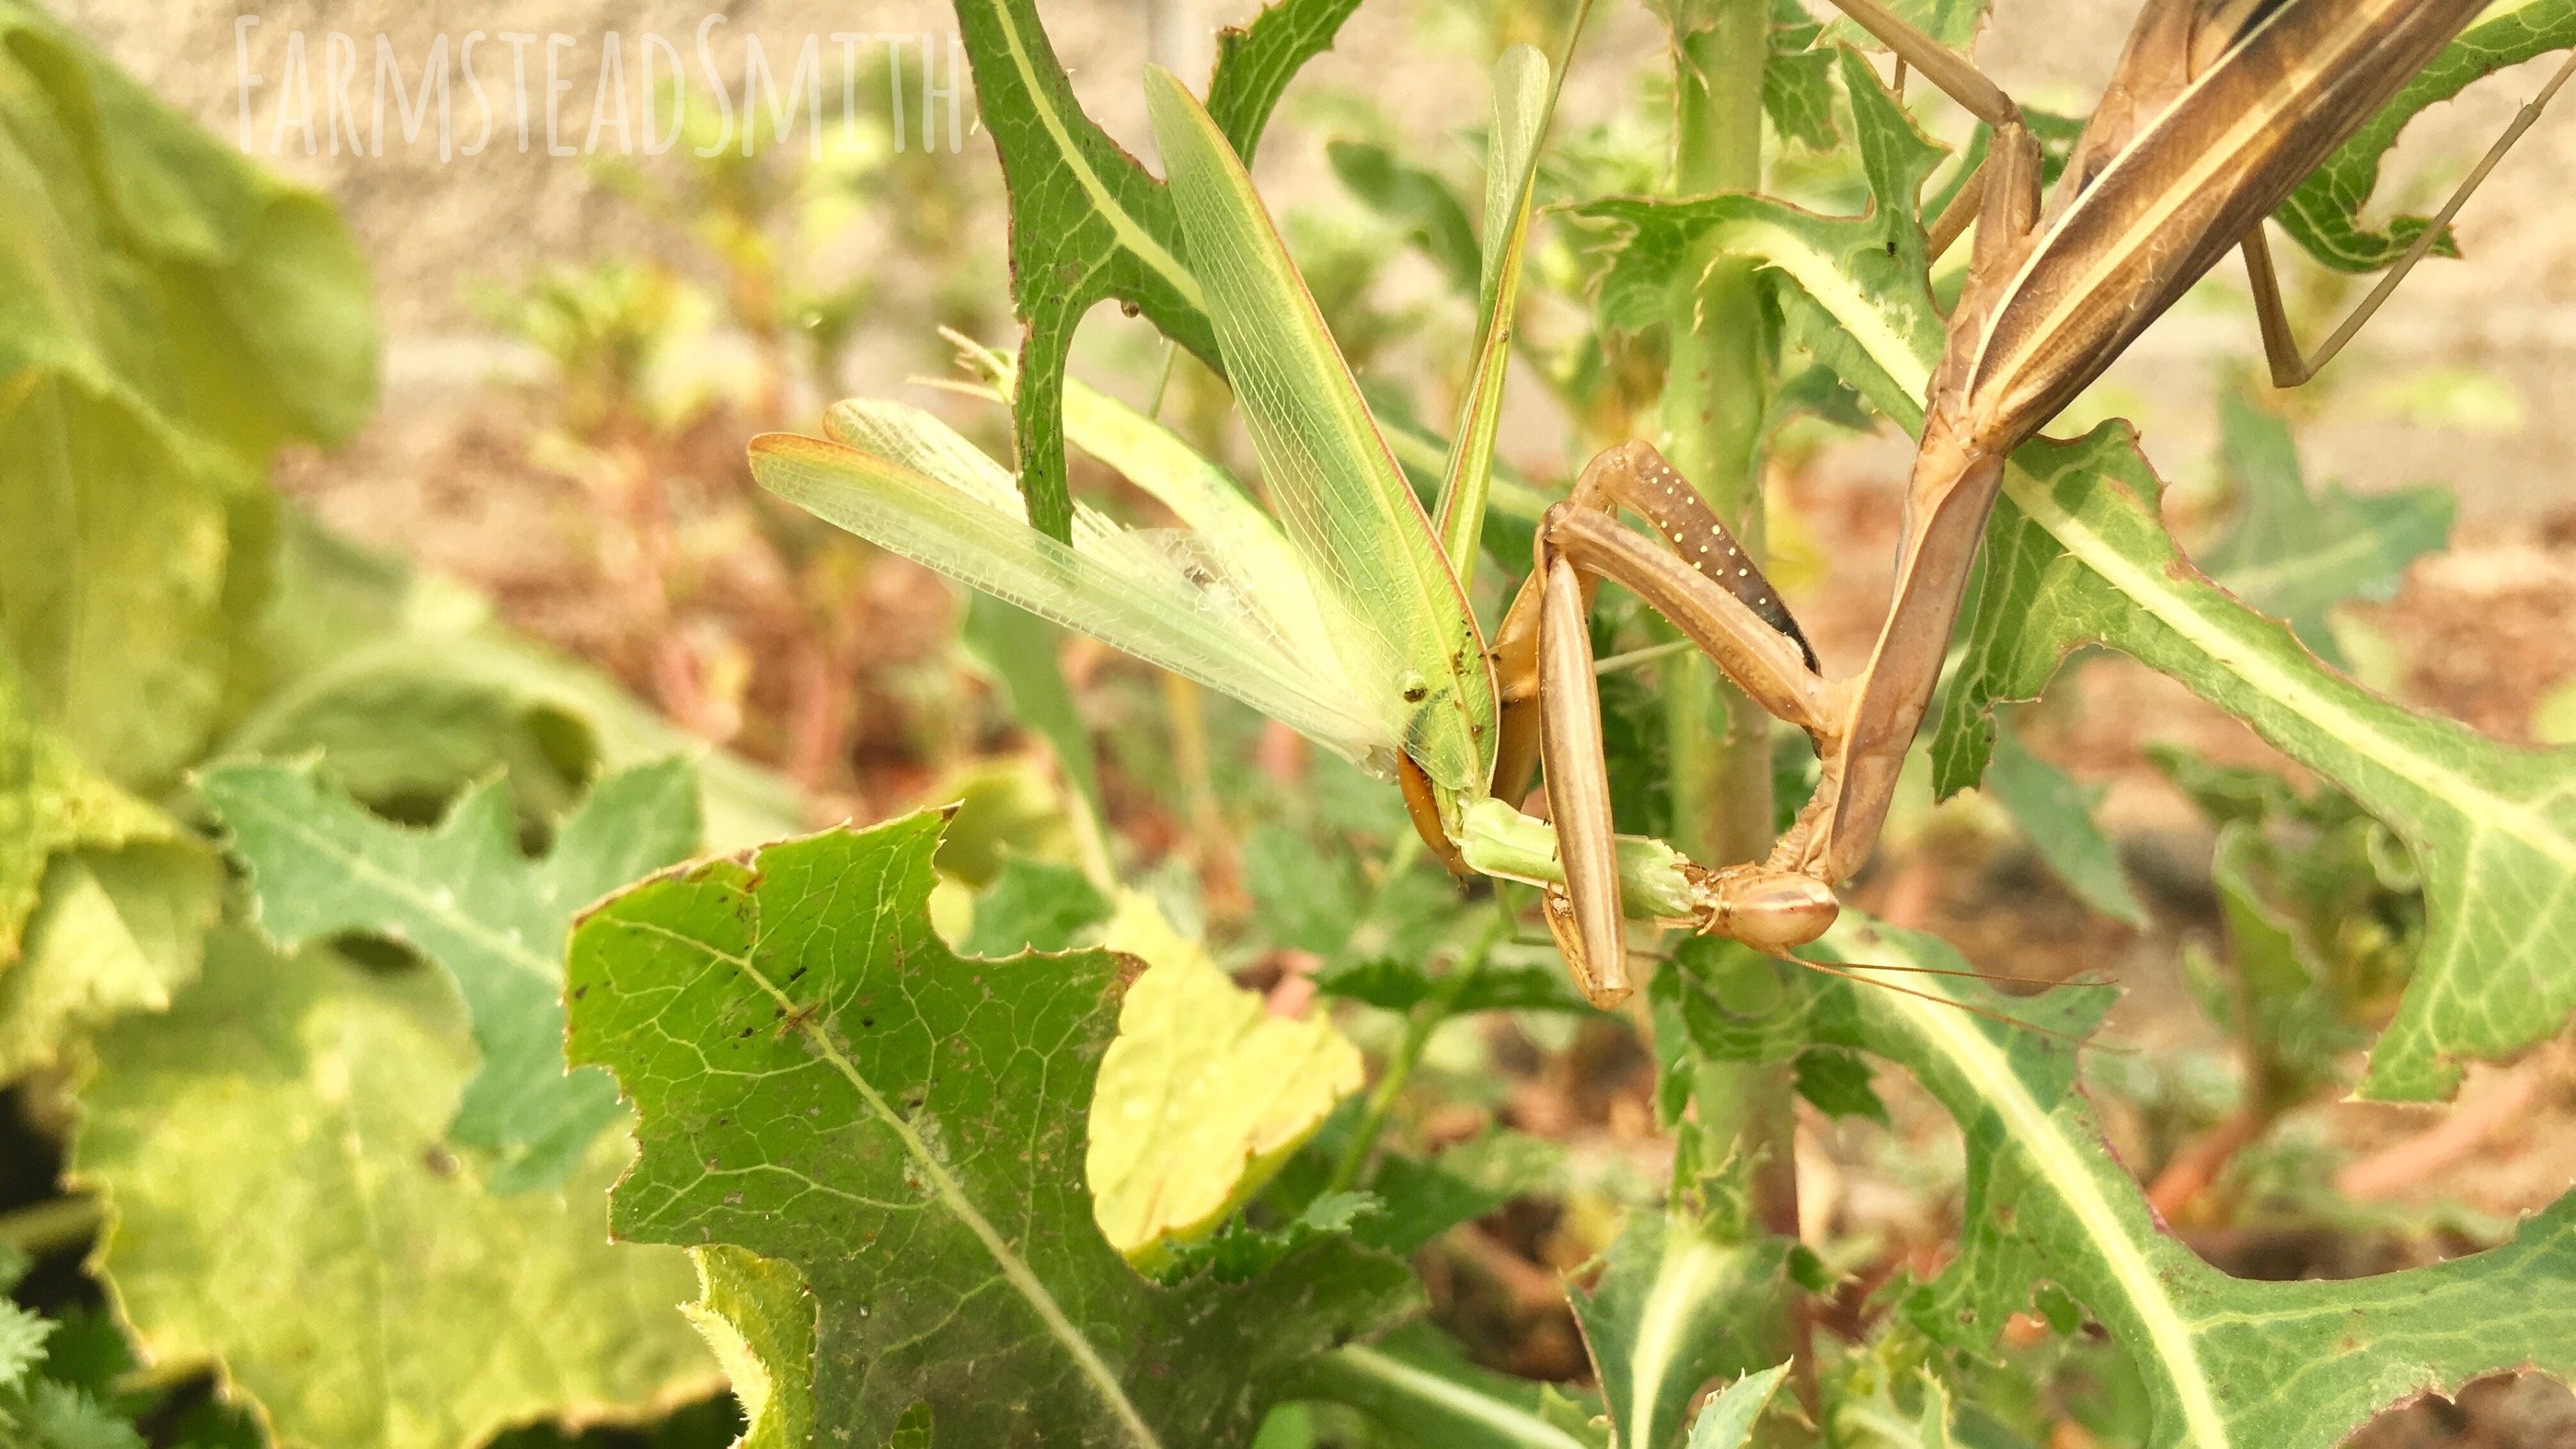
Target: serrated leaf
[[2295, 556], [2225, 1361], [2323, 215], [1203, 1095], [492, 918], [1671, 1311], [1856, 295], [820, 1082], [1726, 1422], [755, 1313], [281, 1204], [2076, 554], [1087, 222], [1419, 1384], [1255, 62], [2056, 814]]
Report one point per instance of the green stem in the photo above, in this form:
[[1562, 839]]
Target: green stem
[[1425, 1019], [1716, 393]]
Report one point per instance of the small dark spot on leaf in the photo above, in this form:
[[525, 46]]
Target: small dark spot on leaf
[[579, 992], [870, 1021], [439, 1161]]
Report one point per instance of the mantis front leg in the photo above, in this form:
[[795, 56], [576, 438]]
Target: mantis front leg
[[1704, 584]]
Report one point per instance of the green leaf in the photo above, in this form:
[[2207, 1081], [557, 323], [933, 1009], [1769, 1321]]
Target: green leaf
[[1254, 64], [104, 901], [1524, 101], [1203, 1095], [1839, 1084], [281, 1204], [2076, 554], [2056, 814], [1798, 79], [1021, 651], [1668, 1314], [1726, 1422], [2294, 556], [755, 1313], [2323, 215], [174, 314], [820, 1082], [1419, 202], [1419, 1384], [1951, 23], [1421, 1199], [1087, 223], [1333, 482], [469, 901], [1397, 985], [1853, 285], [1034, 905], [2225, 1361], [119, 931]]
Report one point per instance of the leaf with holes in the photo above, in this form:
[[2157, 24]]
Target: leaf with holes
[[819, 1081], [2226, 1362], [466, 897]]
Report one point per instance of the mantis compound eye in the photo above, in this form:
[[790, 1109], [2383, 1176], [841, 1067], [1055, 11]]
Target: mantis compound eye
[[1770, 910]]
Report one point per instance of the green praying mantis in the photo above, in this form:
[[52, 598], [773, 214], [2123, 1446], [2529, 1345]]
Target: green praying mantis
[[1344, 612]]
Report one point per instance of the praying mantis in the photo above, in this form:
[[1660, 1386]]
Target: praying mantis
[[1339, 613]]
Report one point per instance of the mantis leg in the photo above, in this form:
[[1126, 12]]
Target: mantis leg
[[1951, 73], [1698, 578], [2292, 367]]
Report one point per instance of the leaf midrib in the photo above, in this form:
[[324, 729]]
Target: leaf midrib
[[508, 948], [950, 1192], [1130, 235], [2059, 1163]]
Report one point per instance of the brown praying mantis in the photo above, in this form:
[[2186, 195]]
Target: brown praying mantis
[[2216, 111], [1340, 611]]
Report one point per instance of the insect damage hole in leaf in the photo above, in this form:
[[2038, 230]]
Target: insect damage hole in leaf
[[819, 1081]]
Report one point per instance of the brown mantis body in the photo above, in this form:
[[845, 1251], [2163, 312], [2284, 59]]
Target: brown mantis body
[[2218, 108]]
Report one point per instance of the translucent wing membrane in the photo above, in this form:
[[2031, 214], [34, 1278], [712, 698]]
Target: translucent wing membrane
[[1187, 601], [1328, 472]]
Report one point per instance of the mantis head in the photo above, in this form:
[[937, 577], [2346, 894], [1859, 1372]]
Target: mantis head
[[1772, 911]]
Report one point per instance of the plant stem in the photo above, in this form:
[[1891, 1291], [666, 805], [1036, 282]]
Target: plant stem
[[1716, 393], [1426, 1018]]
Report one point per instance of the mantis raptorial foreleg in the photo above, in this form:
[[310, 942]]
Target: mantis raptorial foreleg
[[2216, 109]]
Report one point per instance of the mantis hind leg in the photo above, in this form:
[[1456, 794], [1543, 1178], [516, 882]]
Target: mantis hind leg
[[2290, 365]]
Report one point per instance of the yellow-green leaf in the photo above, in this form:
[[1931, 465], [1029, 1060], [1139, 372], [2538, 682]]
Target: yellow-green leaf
[[1202, 1096]]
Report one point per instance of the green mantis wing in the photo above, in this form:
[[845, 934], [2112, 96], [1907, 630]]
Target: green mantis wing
[[903, 480], [1328, 472]]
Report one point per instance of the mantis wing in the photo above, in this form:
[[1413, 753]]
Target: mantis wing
[[1329, 474], [904, 481]]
